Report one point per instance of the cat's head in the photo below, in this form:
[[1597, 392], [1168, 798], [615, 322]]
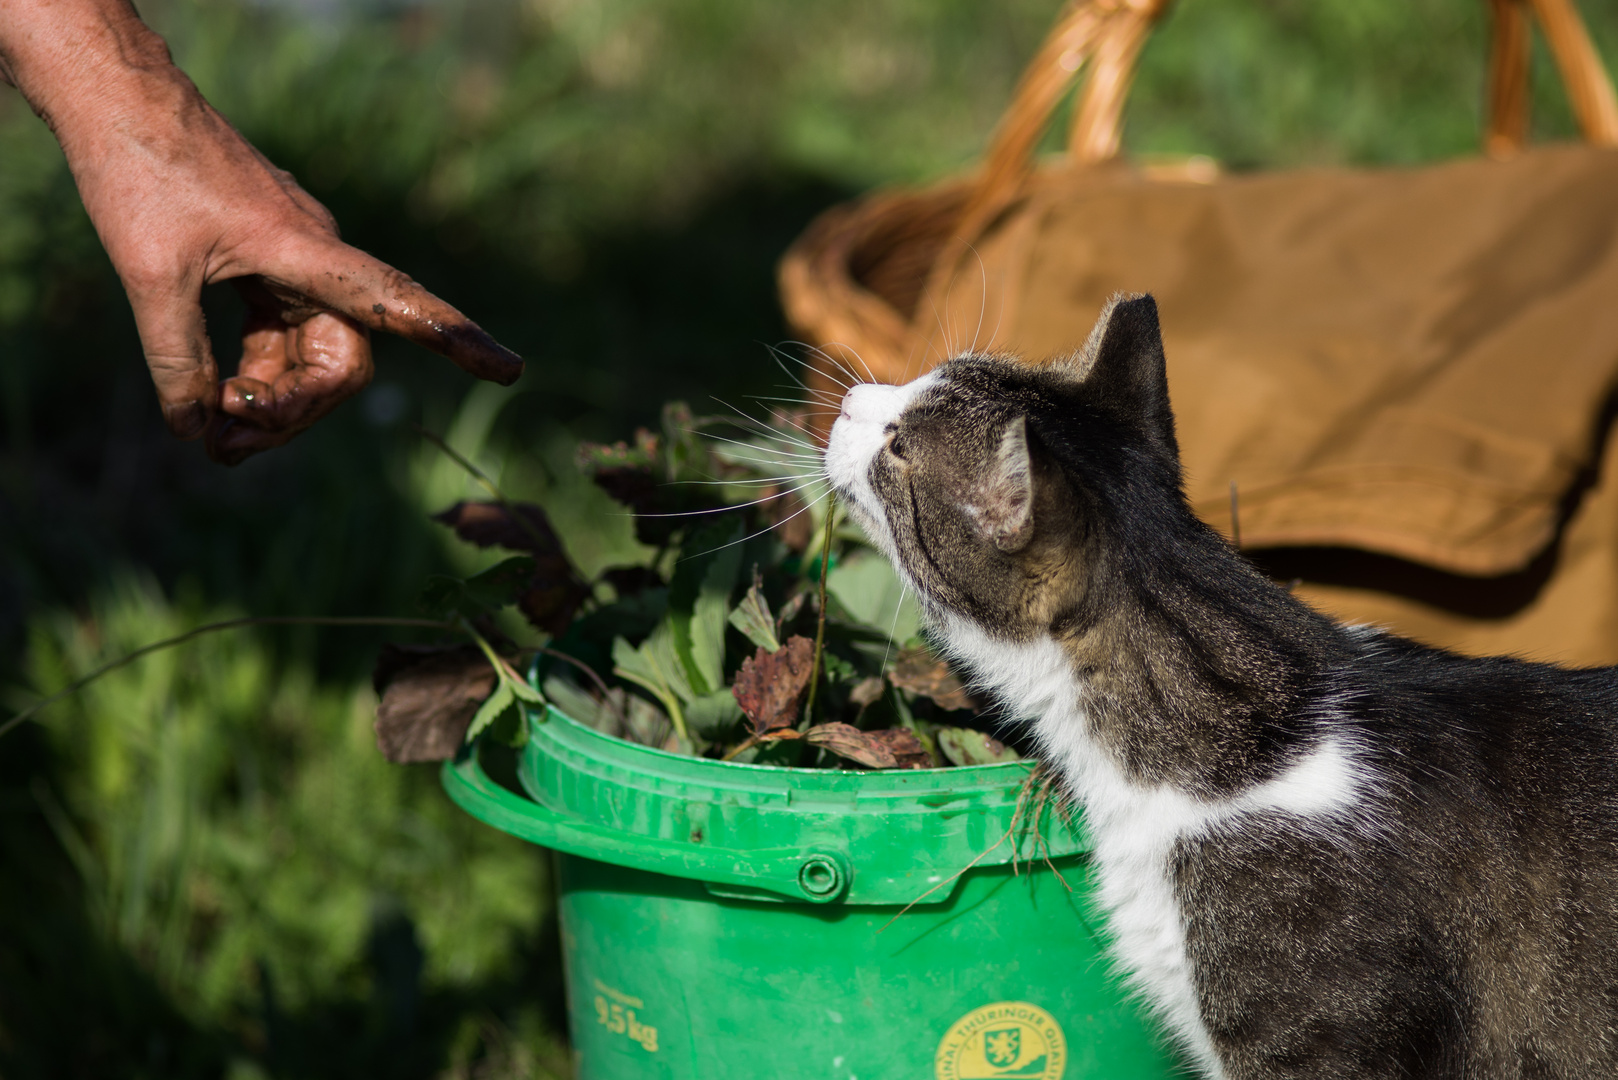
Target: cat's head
[[1016, 495]]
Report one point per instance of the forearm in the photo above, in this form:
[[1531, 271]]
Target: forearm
[[86, 65], [145, 149], [180, 200]]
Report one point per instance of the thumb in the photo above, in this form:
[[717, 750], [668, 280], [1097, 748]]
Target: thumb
[[175, 341]]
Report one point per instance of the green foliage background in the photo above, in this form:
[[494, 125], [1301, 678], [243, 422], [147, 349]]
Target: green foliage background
[[205, 867]]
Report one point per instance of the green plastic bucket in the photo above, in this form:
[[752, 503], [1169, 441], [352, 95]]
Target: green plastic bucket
[[737, 922]]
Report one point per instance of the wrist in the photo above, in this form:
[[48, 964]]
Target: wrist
[[87, 67]]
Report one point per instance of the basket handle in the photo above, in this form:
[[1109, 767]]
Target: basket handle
[[1589, 87], [1106, 36], [1102, 40]]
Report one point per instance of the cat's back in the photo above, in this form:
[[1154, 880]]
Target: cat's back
[[1517, 733]]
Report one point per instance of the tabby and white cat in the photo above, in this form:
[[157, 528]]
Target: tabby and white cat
[[1324, 851]]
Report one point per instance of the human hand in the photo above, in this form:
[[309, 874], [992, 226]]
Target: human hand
[[181, 200]]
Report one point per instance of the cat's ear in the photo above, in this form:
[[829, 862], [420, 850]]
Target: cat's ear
[[1122, 364], [1003, 501]]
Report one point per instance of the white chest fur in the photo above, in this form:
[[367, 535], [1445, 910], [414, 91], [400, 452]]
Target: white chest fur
[[1134, 828]]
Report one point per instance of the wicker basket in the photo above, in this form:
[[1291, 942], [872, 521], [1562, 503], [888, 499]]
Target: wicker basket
[[1403, 373]]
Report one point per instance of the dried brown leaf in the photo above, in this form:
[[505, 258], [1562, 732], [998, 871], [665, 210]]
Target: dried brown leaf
[[907, 750], [770, 686], [892, 748], [632, 475], [428, 696], [789, 611], [866, 691], [919, 671], [788, 515], [549, 602], [633, 486], [556, 590], [487, 524]]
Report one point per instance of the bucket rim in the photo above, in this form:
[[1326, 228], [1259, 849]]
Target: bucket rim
[[582, 738], [851, 837]]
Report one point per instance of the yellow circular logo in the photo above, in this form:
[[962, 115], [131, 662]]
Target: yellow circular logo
[[1008, 1038]]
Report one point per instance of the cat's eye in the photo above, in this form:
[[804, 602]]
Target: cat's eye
[[894, 445]]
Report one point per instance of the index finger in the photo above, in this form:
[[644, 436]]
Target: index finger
[[374, 294]]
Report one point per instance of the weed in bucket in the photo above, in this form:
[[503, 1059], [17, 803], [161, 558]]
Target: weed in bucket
[[747, 635]]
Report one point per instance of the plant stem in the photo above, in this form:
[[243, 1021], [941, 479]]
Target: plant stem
[[503, 669], [226, 624], [745, 745], [606, 694], [820, 621]]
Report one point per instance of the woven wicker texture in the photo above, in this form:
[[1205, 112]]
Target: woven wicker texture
[[1409, 363]]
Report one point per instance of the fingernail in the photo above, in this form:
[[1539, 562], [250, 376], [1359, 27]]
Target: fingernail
[[472, 342], [186, 421]]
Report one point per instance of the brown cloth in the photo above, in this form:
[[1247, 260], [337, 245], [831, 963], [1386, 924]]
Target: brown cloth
[[1409, 362], [1406, 373]]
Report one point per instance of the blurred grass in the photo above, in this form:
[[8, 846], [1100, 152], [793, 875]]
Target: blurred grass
[[240, 841], [208, 869]]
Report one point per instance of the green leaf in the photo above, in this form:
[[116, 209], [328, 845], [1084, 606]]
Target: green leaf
[[578, 704], [753, 617], [527, 693], [502, 583], [710, 617], [441, 596], [490, 590], [496, 703], [699, 600], [655, 667], [836, 668], [510, 727], [867, 586], [713, 716], [659, 649], [963, 746]]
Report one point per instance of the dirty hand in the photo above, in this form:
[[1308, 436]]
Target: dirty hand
[[181, 200]]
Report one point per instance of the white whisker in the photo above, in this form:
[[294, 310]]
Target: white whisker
[[893, 627], [773, 431], [983, 298], [755, 446], [775, 525], [824, 411], [785, 446], [830, 361], [780, 356], [741, 483], [722, 509]]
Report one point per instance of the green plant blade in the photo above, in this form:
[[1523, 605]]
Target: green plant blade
[[714, 716], [655, 667], [523, 692], [753, 618], [710, 617], [502, 583], [699, 600], [493, 706]]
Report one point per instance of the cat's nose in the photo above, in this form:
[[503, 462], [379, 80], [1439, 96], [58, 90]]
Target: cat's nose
[[871, 402]]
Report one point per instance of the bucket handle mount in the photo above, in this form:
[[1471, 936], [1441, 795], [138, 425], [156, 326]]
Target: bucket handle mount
[[818, 877]]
